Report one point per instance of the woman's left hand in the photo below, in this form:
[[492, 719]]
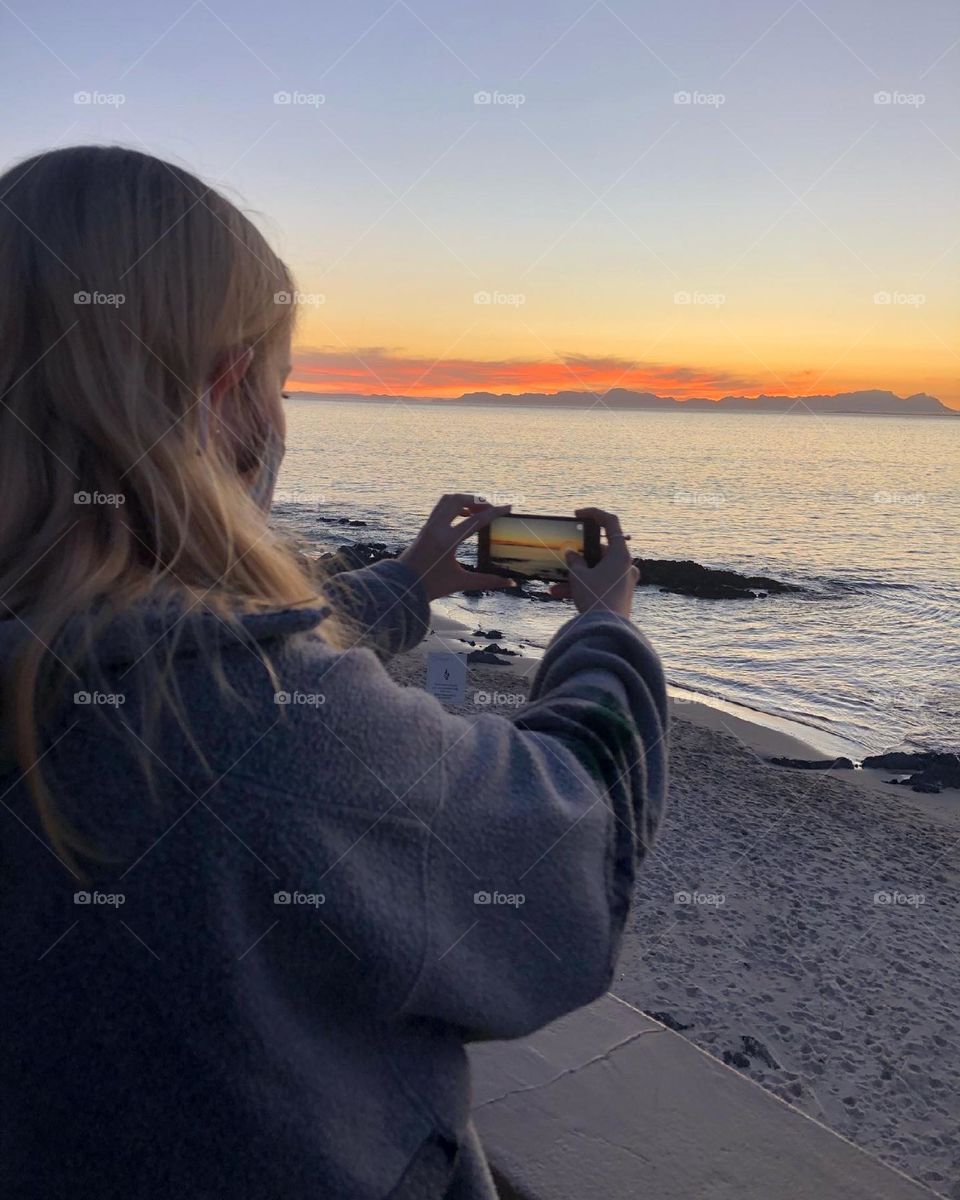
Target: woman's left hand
[[432, 554]]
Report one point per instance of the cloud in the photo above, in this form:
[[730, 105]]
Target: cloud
[[382, 370]]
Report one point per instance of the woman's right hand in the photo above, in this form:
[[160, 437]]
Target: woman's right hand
[[608, 586]]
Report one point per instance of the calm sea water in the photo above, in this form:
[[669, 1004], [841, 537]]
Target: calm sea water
[[863, 511]]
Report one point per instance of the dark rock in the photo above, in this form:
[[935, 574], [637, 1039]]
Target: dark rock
[[685, 577], [930, 771], [670, 1021], [712, 591], [494, 648], [813, 764], [489, 633], [356, 522], [355, 556], [896, 761], [472, 592], [483, 656], [542, 596], [736, 1059], [756, 1049]]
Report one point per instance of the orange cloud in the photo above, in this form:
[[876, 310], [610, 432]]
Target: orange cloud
[[378, 370]]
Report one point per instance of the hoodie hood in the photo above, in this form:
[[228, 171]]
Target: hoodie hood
[[130, 635]]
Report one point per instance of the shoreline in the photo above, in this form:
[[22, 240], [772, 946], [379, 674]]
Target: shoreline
[[764, 734]]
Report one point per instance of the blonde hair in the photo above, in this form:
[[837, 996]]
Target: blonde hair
[[124, 283]]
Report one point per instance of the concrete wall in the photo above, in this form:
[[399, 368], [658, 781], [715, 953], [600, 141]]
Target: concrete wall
[[607, 1103]]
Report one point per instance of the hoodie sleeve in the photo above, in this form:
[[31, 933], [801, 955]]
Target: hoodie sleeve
[[542, 824], [480, 869], [385, 605]]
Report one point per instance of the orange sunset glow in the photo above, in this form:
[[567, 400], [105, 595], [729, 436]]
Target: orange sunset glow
[[374, 371]]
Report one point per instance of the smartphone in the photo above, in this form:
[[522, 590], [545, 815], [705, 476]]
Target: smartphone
[[532, 546]]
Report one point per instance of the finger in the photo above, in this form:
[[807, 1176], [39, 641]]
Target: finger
[[608, 522], [478, 520], [452, 504], [576, 563], [488, 583], [560, 591], [482, 506]]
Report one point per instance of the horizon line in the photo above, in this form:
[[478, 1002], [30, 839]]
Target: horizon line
[[488, 396]]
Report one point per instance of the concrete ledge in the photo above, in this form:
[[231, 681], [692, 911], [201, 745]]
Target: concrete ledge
[[608, 1103]]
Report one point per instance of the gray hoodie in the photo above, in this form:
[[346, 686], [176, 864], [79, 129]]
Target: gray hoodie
[[266, 991]]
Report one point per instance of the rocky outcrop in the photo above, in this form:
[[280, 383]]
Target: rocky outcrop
[[928, 771], [813, 764], [485, 656], [354, 556], [684, 577], [924, 771]]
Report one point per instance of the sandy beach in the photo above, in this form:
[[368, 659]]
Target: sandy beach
[[802, 925]]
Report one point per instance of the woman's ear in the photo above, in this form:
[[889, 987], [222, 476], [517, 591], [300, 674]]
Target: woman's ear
[[230, 370], [233, 421]]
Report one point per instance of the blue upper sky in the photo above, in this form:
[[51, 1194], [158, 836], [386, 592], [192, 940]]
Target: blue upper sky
[[584, 185]]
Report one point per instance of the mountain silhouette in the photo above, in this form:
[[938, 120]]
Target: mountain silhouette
[[621, 399]]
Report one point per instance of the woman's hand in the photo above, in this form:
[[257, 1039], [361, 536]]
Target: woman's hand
[[432, 554], [607, 587]]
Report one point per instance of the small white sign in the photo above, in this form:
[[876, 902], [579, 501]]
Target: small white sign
[[447, 676]]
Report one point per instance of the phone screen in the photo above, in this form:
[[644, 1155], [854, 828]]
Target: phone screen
[[533, 547]]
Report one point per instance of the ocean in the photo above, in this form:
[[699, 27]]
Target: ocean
[[862, 512]]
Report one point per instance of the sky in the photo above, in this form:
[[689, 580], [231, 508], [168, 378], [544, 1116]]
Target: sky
[[696, 199]]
